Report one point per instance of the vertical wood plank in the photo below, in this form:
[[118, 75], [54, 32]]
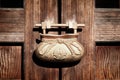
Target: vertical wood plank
[[82, 11], [36, 12], [27, 39], [107, 63], [10, 62]]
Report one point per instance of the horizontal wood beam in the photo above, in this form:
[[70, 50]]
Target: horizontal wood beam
[[11, 37], [60, 25], [107, 25]]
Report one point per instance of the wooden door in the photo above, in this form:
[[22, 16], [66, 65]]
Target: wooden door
[[97, 62], [81, 11], [11, 41], [36, 12], [107, 62], [61, 11], [19, 38], [107, 39]]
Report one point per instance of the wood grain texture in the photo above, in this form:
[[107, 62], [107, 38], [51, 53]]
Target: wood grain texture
[[11, 37], [81, 11], [10, 62], [35, 12], [107, 24], [107, 63], [12, 25]]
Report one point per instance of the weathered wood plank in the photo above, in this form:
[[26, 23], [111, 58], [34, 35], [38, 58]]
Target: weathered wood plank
[[107, 62], [12, 15], [10, 62], [107, 16], [12, 37], [11, 11], [107, 25], [82, 12], [18, 20], [36, 12], [12, 25], [9, 27]]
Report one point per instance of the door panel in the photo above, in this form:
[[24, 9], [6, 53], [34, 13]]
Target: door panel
[[11, 25], [107, 62], [103, 64], [107, 24], [10, 61], [37, 11], [11, 42], [82, 12]]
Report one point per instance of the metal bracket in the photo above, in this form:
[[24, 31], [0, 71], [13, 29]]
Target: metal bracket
[[73, 25]]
